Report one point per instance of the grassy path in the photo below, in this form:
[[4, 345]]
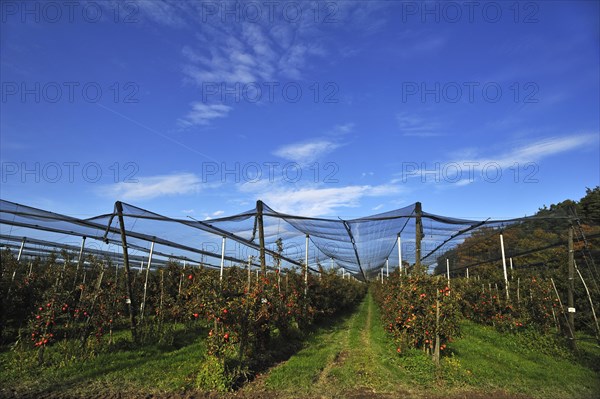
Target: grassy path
[[355, 358], [352, 358]]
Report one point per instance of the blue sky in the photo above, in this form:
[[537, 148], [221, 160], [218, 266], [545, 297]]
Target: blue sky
[[340, 108]]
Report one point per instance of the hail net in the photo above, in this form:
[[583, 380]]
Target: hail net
[[362, 247]]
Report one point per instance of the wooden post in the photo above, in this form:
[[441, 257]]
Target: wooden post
[[261, 236], [418, 235], [571, 287], [130, 299]]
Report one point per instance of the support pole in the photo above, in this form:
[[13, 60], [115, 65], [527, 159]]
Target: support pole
[[418, 235], [222, 259], [130, 299], [79, 261], [467, 273], [399, 254], [261, 236], [448, 270], [504, 265], [591, 302], [387, 267], [571, 288], [249, 271], [306, 265], [21, 249], [143, 307]]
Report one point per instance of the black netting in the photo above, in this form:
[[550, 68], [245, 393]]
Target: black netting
[[360, 246]]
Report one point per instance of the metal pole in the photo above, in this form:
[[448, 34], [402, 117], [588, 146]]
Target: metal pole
[[306, 265], [130, 299], [467, 273], [418, 234], [222, 259], [448, 270], [387, 267], [21, 249], [261, 235], [382, 275], [79, 260], [571, 288], [80, 253], [143, 307], [504, 265], [249, 275], [399, 253], [591, 302]]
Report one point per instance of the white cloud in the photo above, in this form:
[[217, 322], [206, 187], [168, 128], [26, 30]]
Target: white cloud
[[340, 130], [316, 200], [415, 126], [165, 13], [153, 187], [307, 152], [534, 151], [202, 114]]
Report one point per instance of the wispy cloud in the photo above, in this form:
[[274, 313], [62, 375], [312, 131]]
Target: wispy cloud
[[306, 152], [534, 151], [201, 114], [318, 200], [153, 187], [415, 126]]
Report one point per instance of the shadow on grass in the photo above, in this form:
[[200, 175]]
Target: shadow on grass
[[283, 348], [122, 361]]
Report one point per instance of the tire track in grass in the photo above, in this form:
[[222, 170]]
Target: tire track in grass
[[361, 371]]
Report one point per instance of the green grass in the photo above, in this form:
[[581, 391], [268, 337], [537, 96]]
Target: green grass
[[357, 355], [489, 360], [348, 356], [151, 369]]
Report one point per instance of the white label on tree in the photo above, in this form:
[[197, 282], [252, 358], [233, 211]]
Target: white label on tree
[[571, 310], [127, 300]]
